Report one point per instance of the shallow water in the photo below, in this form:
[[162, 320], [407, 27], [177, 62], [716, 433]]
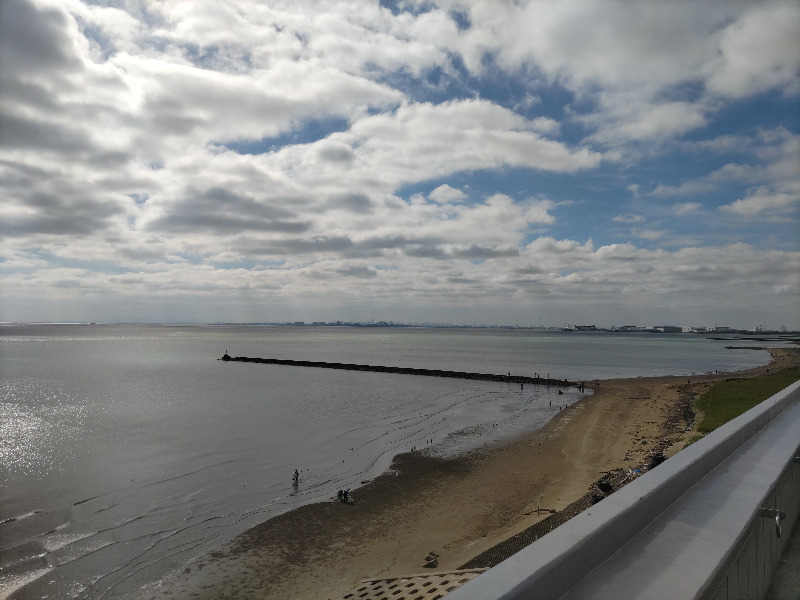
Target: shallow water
[[128, 450]]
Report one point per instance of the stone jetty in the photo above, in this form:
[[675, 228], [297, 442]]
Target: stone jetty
[[509, 378]]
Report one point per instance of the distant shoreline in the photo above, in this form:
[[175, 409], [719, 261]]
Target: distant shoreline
[[764, 335]]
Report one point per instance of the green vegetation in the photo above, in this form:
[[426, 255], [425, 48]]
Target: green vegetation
[[729, 399]]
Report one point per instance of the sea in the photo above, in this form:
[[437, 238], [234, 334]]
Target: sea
[[126, 451]]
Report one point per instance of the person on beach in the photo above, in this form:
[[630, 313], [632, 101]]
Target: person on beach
[[296, 476]]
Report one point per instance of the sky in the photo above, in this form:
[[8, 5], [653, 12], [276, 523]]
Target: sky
[[492, 162]]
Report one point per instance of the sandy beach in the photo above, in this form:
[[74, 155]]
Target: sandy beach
[[457, 508]]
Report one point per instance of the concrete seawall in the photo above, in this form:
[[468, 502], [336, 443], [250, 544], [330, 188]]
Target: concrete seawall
[[405, 371]]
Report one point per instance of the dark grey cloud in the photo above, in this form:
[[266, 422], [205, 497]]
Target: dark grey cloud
[[26, 93], [471, 252], [529, 270], [223, 224], [14, 173], [477, 252], [336, 153], [358, 272], [24, 134], [460, 280], [34, 41], [391, 242], [317, 244], [51, 214], [426, 251], [353, 202], [221, 211], [292, 247]]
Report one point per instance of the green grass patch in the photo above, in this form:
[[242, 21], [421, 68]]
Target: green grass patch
[[729, 399]]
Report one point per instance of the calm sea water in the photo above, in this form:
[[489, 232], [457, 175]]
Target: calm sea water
[[126, 451]]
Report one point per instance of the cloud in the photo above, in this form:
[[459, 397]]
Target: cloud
[[759, 52], [444, 194], [336, 152], [37, 41], [51, 214], [476, 152], [647, 234], [774, 156], [185, 100], [657, 274], [660, 121], [222, 212], [629, 219], [761, 201], [683, 209], [648, 70], [360, 272], [422, 141], [353, 202]]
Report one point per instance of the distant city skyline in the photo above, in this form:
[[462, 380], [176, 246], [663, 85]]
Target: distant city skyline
[[446, 161]]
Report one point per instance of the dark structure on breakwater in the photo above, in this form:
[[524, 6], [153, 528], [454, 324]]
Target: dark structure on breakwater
[[404, 371]]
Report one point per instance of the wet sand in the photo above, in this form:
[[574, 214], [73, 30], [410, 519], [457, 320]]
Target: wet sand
[[458, 508]]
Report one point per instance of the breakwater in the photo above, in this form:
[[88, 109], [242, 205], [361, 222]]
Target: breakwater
[[508, 378]]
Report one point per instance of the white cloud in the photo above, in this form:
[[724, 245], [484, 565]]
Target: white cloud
[[444, 194], [761, 201], [421, 141], [683, 209], [648, 234], [654, 70], [760, 51], [659, 121], [629, 219]]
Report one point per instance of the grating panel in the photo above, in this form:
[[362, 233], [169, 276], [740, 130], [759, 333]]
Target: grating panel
[[427, 586]]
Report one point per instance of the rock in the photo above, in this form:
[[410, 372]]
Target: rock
[[656, 460], [432, 560]]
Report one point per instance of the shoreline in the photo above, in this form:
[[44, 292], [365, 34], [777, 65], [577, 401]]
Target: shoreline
[[481, 504]]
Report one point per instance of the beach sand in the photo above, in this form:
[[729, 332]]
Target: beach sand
[[457, 508]]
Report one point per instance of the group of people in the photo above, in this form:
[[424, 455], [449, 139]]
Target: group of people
[[342, 495]]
